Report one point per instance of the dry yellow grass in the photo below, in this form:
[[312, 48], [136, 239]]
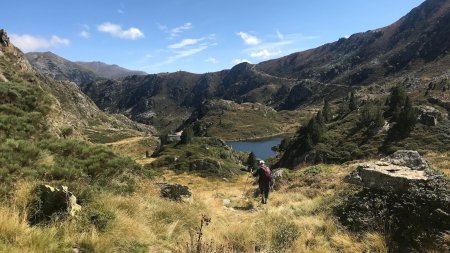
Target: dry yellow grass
[[136, 148], [294, 220], [440, 161]]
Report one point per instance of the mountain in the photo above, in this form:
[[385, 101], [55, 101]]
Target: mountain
[[166, 100], [412, 49], [58, 68], [109, 71], [415, 40], [63, 104]]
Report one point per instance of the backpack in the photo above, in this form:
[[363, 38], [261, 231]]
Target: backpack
[[267, 172]]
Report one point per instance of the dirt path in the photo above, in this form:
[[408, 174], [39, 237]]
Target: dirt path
[[228, 202], [136, 148], [127, 141]]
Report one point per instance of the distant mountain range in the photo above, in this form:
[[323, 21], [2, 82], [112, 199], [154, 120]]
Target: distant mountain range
[[414, 49], [59, 68], [109, 71]]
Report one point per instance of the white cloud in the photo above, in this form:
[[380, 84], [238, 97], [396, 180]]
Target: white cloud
[[185, 53], [29, 43], [120, 11], [212, 60], [190, 42], [176, 31], [85, 34], [184, 43], [249, 39], [264, 53], [55, 40], [280, 35], [237, 61], [163, 28], [269, 49], [115, 30]]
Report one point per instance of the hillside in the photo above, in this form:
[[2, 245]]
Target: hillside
[[109, 71], [403, 48], [412, 50], [58, 68], [372, 126], [166, 100], [68, 106]]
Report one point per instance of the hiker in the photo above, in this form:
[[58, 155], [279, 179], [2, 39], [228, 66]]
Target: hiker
[[264, 180]]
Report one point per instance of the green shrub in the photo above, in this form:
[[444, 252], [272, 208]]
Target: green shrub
[[284, 235], [66, 131], [100, 217]]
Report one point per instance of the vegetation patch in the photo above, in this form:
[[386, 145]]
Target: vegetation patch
[[204, 156]]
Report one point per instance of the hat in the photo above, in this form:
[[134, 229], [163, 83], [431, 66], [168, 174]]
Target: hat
[[261, 162]]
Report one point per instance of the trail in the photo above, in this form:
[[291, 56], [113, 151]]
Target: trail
[[222, 198], [134, 148], [253, 68], [127, 141]]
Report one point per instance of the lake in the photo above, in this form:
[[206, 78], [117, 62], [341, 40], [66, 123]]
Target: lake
[[261, 148]]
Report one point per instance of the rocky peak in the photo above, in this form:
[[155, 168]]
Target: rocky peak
[[4, 39]]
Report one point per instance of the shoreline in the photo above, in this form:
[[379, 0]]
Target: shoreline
[[280, 135]]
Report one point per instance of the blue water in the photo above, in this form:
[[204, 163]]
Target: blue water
[[261, 148]]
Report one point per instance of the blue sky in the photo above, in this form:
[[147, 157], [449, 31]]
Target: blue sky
[[196, 36]]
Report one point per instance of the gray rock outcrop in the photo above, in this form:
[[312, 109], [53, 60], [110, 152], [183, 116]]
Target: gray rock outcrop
[[4, 39], [176, 192], [407, 158], [429, 115], [397, 172], [49, 201]]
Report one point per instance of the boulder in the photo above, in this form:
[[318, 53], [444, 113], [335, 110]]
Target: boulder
[[407, 158], [397, 172], [278, 174], [48, 201], [176, 192], [279, 178], [429, 115]]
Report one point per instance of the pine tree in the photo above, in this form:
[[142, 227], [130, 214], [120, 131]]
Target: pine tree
[[366, 115], [371, 116], [407, 117], [379, 119], [186, 136], [320, 119], [315, 130], [352, 104], [327, 114], [251, 161], [395, 102], [308, 144]]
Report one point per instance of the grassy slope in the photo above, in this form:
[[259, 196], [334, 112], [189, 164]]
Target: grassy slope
[[205, 156], [297, 219], [232, 121]]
